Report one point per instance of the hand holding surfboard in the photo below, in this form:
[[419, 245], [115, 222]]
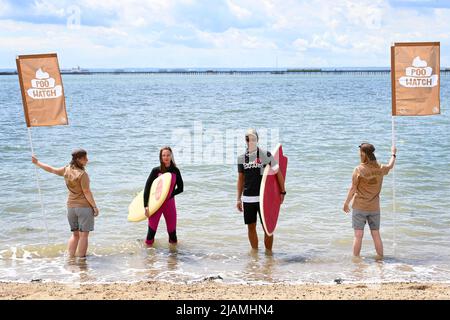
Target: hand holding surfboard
[[160, 190], [270, 193]]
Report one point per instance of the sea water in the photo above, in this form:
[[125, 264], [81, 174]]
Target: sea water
[[123, 120]]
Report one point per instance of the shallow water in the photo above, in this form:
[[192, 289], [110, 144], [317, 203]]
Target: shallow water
[[123, 120]]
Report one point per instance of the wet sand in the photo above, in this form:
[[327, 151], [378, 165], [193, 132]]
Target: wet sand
[[212, 290]]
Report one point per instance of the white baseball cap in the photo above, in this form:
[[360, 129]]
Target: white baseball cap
[[252, 132]]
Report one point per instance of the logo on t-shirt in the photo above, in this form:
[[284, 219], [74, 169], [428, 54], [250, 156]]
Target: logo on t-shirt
[[253, 165]]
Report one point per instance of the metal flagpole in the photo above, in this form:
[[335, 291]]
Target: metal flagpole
[[393, 190], [38, 185]]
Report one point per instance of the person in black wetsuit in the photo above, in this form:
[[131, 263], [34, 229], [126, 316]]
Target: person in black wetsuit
[[168, 209]]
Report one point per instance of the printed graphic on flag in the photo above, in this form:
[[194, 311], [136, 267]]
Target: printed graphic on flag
[[415, 76], [42, 90]]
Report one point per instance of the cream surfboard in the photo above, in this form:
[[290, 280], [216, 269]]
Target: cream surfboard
[[159, 191]]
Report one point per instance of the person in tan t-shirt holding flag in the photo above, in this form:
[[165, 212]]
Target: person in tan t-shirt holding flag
[[365, 191], [81, 207]]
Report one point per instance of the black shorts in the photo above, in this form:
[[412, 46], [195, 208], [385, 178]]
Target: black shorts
[[251, 210]]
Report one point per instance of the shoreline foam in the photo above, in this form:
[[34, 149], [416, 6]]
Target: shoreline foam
[[212, 290]]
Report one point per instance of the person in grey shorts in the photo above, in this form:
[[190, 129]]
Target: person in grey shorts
[[81, 207], [365, 191], [81, 219], [359, 218]]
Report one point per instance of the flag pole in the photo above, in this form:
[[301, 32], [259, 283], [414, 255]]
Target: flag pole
[[393, 190], [394, 113], [38, 185]]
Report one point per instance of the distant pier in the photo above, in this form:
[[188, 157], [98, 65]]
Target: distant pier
[[361, 72]]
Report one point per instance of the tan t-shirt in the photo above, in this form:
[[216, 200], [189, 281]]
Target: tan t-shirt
[[368, 179], [76, 180]]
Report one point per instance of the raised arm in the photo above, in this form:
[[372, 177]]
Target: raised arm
[[393, 157], [46, 167]]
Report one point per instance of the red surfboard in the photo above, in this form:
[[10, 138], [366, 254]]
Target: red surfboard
[[270, 197]]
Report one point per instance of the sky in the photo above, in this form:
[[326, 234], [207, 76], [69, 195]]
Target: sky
[[219, 33]]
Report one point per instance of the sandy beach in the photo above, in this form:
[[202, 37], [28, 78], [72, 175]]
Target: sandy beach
[[211, 290]]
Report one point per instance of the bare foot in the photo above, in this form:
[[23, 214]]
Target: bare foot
[[378, 258]]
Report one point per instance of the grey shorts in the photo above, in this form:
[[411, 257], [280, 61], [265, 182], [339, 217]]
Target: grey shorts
[[81, 219], [360, 217]]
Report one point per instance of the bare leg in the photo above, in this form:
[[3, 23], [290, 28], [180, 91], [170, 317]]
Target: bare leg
[[357, 242], [377, 242], [73, 243], [252, 235], [83, 244], [268, 242]]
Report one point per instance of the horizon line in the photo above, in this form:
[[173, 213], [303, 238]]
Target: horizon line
[[137, 70], [213, 68]]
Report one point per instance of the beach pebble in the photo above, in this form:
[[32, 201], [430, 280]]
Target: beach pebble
[[212, 278]]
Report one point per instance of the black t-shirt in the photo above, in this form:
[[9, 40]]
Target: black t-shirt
[[178, 188], [252, 165]]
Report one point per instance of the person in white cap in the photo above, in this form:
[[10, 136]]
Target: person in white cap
[[250, 168]]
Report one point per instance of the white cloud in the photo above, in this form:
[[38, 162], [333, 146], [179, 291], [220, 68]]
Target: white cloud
[[346, 32], [234, 38], [4, 8], [130, 11], [239, 12], [48, 7], [321, 41], [300, 44], [365, 13]]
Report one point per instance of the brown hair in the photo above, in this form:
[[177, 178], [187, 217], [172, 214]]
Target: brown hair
[[78, 154], [367, 154], [162, 167]]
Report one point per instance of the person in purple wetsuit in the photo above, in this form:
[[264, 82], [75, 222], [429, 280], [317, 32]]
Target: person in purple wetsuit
[[168, 209]]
